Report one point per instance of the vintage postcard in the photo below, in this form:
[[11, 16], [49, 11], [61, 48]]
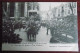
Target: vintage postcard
[[39, 26]]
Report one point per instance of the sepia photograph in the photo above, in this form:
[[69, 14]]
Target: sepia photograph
[[33, 22]]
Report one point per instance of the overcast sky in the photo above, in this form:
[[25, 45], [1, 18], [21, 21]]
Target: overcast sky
[[44, 6]]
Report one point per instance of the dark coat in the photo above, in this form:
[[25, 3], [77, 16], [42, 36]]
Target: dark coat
[[32, 29]]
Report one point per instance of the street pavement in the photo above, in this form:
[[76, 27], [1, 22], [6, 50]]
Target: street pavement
[[43, 37], [40, 37]]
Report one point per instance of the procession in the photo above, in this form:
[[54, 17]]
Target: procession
[[31, 29], [35, 22]]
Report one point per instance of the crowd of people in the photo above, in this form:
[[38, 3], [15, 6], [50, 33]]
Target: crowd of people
[[64, 26], [32, 26], [8, 35]]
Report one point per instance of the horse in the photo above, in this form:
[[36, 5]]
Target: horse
[[32, 31]]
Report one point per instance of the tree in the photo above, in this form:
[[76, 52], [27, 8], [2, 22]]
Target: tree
[[72, 6], [6, 11], [62, 11]]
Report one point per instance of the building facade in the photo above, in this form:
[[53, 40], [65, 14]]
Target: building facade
[[65, 10], [19, 9]]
